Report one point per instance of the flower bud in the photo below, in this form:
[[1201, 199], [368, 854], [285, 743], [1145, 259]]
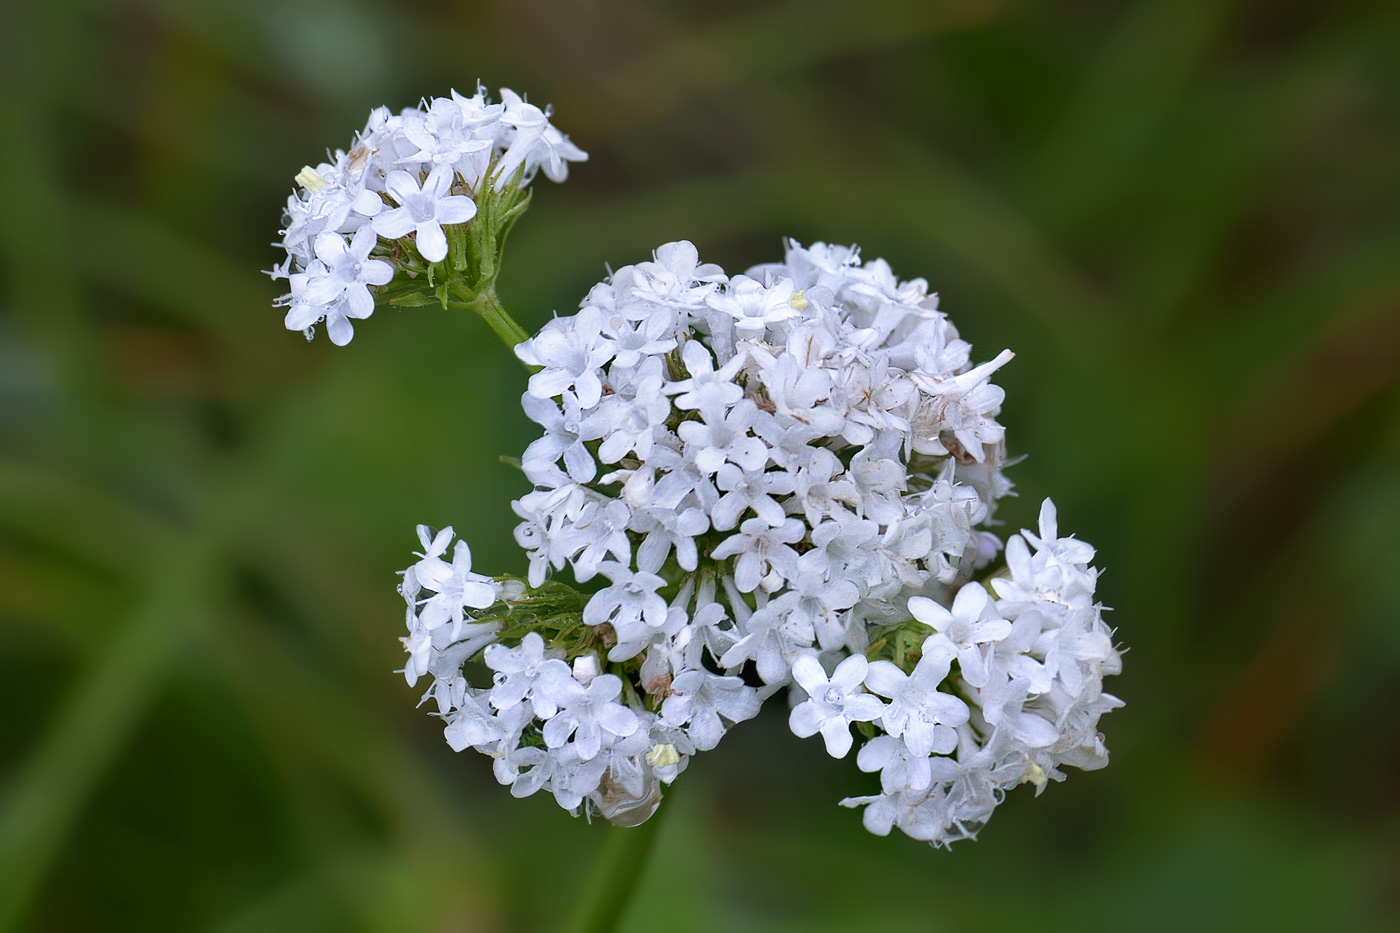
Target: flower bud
[[586, 668]]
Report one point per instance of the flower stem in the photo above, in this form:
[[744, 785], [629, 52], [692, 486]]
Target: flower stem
[[486, 304], [602, 905], [490, 308]]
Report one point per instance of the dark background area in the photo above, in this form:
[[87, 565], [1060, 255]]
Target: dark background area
[[1181, 215]]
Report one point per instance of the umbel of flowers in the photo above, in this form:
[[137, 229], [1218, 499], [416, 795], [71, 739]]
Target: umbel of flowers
[[782, 483], [418, 210]]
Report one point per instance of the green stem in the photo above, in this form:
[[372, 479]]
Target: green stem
[[486, 304], [603, 904], [490, 308]]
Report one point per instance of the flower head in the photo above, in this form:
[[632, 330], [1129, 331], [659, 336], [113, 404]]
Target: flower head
[[786, 481], [416, 173]]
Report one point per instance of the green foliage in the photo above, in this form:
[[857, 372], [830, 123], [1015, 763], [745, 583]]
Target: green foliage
[[900, 642], [553, 609]]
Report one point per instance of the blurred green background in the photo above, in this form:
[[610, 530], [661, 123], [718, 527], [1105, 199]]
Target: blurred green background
[[1181, 215]]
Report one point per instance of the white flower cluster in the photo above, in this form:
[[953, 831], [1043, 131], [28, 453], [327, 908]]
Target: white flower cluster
[[1026, 700], [410, 174], [784, 479], [546, 722]]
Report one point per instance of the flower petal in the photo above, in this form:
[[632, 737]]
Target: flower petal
[[339, 328], [850, 672], [929, 612], [376, 272], [330, 248], [361, 302], [804, 720], [432, 243], [808, 673], [401, 186], [837, 735], [884, 678], [394, 223], [456, 209]]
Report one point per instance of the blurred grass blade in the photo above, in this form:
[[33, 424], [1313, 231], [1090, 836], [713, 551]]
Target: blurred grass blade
[[45, 798]]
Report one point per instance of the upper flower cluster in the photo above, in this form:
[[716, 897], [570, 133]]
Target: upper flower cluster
[[783, 480], [391, 202]]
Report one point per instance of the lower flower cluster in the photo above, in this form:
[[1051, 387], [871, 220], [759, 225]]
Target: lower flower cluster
[[1000, 692], [1005, 691], [552, 719]]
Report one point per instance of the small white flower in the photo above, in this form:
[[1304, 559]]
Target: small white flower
[[820, 604], [526, 673], [764, 553], [1004, 705], [336, 286], [749, 491], [918, 713], [631, 606], [822, 488], [772, 638], [472, 725], [901, 767], [349, 271], [753, 305], [964, 630], [456, 588], [630, 423], [707, 389], [841, 550], [446, 135], [590, 715], [832, 703], [570, 352], [725, 437], [677, 277], [527, 124], [702, 701], [552, 153], [562, 438], [599, 531], [666, 530], [423, 210], [648, 337]]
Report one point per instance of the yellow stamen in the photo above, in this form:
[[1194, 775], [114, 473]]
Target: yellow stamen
[[310, 179], [663, 756]]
